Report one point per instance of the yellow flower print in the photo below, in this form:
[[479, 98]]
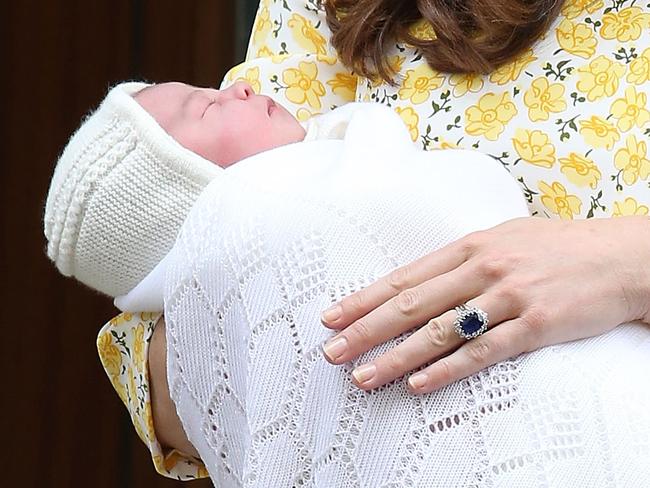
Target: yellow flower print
[[511, 71], [148, 418], [445, 144], [120, 388], [395, 63], [279, 58], [303, 84], [558, 201], [543, 98], [140, 431], [629, 207], [202, 472], [109, 354], [303, 114], [262, 26], [234, 71], [422, 30], [599, 78], [411, 119], [306, 35], [252, 77], [327, 59], [418, 84], [490, 116], [138, 345], [640, 68], [158, 463], [345, 85], [149, 316], [132, 390], [632, 161], [534, 147], [577, 39], [599, 133], [464, 83], [121, 319], [630, 111], [172, 459], [580, 171], [572, 8], [264, 52], [624, 25]]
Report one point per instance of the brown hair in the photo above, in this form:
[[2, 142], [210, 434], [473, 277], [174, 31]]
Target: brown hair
[[471, 36]]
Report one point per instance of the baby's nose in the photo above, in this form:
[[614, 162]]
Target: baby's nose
[[241, 90]]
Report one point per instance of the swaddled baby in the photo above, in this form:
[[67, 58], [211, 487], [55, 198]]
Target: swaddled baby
[[121, 190], [269, 243]]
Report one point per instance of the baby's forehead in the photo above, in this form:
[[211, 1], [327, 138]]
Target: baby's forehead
[[163, 92], [164, 100]]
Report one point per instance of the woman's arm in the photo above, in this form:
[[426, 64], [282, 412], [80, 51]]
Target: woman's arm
[[541, 282], [169, 429]]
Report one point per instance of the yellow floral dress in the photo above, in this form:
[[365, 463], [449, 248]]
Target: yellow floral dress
[[569, 118]]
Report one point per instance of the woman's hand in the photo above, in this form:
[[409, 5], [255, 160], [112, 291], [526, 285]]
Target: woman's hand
[[541, 281]]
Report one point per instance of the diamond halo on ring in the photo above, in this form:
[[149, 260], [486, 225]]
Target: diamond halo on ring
[[471, 321]]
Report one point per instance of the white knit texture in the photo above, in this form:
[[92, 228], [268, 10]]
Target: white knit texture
[[119, 194], [263, 407]]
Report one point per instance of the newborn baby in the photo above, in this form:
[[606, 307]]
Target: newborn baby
[[267, 245], [222, 126], [127, 178]]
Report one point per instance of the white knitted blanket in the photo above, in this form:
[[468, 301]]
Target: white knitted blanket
[[288, 232]]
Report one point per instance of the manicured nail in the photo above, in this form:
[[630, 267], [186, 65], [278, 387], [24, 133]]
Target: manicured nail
[[335, 348], [364, 373], [332, 314], [418, 380]]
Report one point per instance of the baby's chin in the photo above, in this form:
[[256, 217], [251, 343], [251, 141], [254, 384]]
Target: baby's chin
[[292, 130], [281, 110]]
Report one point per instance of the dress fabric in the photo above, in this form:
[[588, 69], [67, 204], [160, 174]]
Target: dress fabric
[[569, 118]]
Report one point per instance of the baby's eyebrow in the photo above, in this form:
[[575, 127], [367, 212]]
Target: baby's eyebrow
[[188, 100]]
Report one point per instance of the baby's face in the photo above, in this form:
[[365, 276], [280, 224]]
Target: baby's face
[[223, 126]]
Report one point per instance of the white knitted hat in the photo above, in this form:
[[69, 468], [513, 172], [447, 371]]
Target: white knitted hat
[[119, 195]]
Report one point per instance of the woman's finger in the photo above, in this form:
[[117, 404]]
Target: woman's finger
[[410, 308], [360, 303], [498, 344], [435, 339]]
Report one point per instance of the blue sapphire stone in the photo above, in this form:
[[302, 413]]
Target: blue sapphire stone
[[471, 323]]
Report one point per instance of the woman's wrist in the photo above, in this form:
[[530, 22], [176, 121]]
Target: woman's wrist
[[167, 425], [638, 288]]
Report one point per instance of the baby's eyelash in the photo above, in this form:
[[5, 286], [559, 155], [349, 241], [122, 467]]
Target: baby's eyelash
[[212, 102]]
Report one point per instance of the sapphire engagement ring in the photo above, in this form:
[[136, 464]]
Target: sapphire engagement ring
[[471, 321]]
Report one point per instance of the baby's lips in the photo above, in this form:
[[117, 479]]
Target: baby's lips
[[270, 105]]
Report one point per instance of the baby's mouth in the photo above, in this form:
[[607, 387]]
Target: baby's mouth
[[270, 106]]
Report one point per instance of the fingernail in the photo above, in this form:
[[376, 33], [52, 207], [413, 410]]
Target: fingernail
[[335, 348], [418, 380], [364, 373], [332, 314]]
